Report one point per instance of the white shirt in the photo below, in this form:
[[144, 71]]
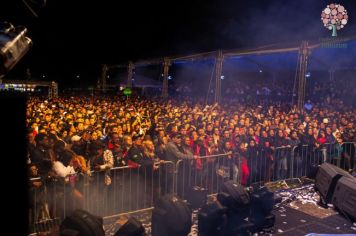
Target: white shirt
[[61, 170]]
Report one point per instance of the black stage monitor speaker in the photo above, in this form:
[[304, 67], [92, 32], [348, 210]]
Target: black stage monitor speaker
[[263, 199], [212, 219], [326, 180], [132, 227], [233, 195], [344, 197], [84, 223], [197, 196], [171, 216]]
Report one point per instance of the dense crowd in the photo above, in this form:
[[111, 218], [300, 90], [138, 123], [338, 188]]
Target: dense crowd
[[111, 132], [68, 135]]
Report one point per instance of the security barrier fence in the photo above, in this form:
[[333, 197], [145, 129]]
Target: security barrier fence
[[126, 189]]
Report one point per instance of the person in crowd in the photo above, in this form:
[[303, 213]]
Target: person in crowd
[[207, 128]]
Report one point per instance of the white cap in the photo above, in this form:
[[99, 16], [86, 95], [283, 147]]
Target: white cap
[[75, 138]]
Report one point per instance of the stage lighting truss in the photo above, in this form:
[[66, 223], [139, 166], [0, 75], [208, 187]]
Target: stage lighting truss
[[13, 46]]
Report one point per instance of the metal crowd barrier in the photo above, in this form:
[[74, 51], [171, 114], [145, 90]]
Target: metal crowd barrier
[[135, 189], [131, 189], [206, 174], [304, 157]]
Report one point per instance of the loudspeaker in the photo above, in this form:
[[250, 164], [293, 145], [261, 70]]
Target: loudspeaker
[[263, 200], [171, 216], [69, 232], [344, 197], [132, 227], [234, 196], [84, 223], [197, 196], [326, 180], [212, 219]]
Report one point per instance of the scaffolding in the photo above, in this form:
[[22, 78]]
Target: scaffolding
[[218, 73], [220, 55], [166, 64], [130, 71], [26, 86], [300, 76], [101, 84]]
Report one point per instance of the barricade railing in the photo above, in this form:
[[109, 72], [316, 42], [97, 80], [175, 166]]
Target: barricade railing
[[134, 189], [203, 172], [347, 155], [117, 191], [258, 167], [305, 157]]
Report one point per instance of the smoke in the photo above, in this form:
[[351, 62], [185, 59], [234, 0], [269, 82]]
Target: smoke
[[256, 23]]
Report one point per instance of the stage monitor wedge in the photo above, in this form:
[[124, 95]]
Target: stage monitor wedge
[[326, 180], [344, 197]]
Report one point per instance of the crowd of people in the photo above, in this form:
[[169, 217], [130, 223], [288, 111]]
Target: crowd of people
[[79, 134], [110, 131]]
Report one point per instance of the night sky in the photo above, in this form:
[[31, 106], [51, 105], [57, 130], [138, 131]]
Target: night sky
[[73, 37]]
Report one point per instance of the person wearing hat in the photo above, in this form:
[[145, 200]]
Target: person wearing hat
[[101, 158], [41, 151], [78, 146], [173, 152], [135, 153]]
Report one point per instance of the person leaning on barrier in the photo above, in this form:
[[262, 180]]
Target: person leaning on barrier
[[135, 153], [172, 151], [101, 160]]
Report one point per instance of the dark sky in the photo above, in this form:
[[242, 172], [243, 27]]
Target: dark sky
[[76, 36]]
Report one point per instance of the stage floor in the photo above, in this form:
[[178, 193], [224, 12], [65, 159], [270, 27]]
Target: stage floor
[[297, 214]]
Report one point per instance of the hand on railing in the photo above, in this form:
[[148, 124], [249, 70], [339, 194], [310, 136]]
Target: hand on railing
[[97, 168], [37, 184], [156, 165]]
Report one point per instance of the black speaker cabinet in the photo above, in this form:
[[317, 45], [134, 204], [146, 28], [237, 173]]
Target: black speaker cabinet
[[171, 216], [234, 196], [132, 227], [197, 196], [344, 197], [326, 180], [83, 222], [212, 220]]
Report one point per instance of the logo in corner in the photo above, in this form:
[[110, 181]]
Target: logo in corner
[[334, 17]]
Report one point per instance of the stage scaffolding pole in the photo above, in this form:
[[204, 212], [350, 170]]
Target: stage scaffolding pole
[[166, 64], [130, 69], [54, 89], [304, 53], [102, 78], [218, 71], [332, 74]]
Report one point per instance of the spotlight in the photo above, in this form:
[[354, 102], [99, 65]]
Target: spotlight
[[247, 211], [234, 196]]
